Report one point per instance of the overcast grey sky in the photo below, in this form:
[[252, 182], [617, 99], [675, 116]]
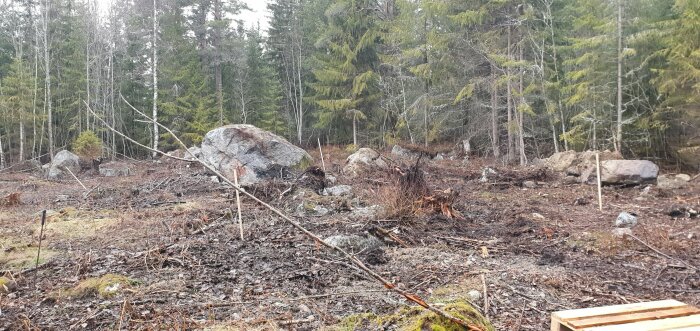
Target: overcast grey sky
[[258, 12]]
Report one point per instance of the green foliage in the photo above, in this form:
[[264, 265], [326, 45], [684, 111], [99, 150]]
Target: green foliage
[[345, 68], [87, 145]]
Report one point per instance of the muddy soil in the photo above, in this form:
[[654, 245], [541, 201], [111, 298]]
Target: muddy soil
[[169, 231]]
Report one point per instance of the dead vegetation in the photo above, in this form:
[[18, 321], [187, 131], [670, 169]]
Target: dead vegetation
[[172, 229]]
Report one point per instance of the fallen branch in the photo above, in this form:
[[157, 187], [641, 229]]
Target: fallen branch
[[354, 260], [76, 178], [688, 265]]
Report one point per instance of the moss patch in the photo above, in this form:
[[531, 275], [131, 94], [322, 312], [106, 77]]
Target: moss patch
[[104, 287], [7, 285], [20, 255], [416, 319], [73, 223]]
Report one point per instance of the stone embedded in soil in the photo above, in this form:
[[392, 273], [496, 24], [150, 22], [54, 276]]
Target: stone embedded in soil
[[529, 184], [672, 181], [115, 169], [338, 191], [359, 162], [625, 220], [474, 295], [486, 174], [354, 243]]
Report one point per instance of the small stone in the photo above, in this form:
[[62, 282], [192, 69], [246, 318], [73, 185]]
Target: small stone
[[338, 191], [529, 184], [304, 308], [474, 295], [486, 173], [625, 220]]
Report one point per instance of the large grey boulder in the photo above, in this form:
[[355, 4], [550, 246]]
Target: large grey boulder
[[363, 159], [61, 161], [581, 165], [628, 171], [255, 153]]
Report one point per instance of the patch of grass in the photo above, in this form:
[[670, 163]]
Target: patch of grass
[[106, 286], [20, 255], [72, 223]]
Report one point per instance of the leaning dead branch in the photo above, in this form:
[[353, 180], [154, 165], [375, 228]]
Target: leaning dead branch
[[350, 257]]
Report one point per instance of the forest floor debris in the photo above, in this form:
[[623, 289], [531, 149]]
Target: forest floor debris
[[171, 228]]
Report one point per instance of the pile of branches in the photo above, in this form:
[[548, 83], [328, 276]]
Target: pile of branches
[[11, 200], [410, 195], [440, 202]]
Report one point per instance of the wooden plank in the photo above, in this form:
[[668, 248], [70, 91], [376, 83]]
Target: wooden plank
[[687, 323], [633, 317], [618, 309]]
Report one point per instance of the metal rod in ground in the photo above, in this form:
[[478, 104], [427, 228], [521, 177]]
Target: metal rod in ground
[[600, 190], [238, 202], [323, 163], [41, 236]]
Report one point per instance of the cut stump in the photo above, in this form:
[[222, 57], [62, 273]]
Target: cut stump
[[645, 316]]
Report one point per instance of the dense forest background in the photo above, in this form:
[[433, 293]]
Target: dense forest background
[[518, 79]]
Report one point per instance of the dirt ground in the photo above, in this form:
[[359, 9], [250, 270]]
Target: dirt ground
[[160, 249]]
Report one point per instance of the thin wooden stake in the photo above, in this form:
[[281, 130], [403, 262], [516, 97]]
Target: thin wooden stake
[[486, 296], [600, 189], [238, 202], [323, 163], [75, 177], [41, 236]]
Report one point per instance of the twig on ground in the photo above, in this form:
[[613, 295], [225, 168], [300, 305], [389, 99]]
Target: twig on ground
[[354, 260], [690, 266], [305, 297]]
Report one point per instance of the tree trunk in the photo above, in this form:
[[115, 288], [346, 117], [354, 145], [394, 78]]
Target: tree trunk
[[2, 155], [47, 79], [354, 128], [618, 138], [494, 114], [111, 100], [155, 79], [300, 101], [36, 89], [21, 137], [217, 61], [520, 113], [509, 102]]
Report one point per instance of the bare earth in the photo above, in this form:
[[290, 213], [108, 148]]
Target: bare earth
[[168, 230]]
